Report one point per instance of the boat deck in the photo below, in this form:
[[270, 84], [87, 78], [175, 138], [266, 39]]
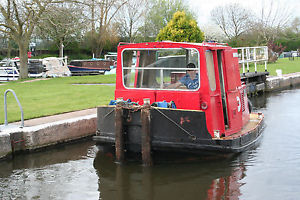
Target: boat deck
[[255, 120]]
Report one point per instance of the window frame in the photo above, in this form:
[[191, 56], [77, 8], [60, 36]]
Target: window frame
[[211, 70]]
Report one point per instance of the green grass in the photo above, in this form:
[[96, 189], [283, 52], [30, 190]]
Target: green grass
[[56, 95], [287, 66]]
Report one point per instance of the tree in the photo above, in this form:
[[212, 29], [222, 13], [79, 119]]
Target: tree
[[290, 37], [130, 18], [103, 28], [233, 20], [212, 33], [295, 25], [61, 23], [18, 19], [160, 12], [271, 21], [181, 29], [274, 51]]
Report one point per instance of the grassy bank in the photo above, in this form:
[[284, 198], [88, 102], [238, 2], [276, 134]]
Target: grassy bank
[[56, 95], [287, 66]]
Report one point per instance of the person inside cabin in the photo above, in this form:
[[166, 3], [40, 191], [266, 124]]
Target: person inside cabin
[[190, 80]]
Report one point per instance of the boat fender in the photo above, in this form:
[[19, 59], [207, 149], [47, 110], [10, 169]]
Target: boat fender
[[127, 102], [164, 104], [172, 105], [249, 105]]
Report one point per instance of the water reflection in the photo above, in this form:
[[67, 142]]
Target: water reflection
[[51, 156], [65, 172], [187, 178]]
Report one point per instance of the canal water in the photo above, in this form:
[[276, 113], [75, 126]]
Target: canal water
[[82, 171]]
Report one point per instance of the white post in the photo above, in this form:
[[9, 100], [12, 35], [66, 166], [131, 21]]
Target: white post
[[243, 60], [62, 50], [266, 58], [254, 57], [66, 61], [248, 57]]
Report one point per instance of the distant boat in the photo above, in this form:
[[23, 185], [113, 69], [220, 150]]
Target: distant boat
[[111, 56], [9, 69], [91, 67], [8, 73]]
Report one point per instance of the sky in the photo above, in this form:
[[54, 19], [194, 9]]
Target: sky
[[202, 8]]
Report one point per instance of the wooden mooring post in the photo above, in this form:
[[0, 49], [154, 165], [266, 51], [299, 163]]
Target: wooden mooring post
[[146, 136], [119, 139]]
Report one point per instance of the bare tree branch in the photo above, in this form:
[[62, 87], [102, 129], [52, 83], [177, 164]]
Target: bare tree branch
[[233, 19]]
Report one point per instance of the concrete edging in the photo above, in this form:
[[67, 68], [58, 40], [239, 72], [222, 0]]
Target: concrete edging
[[35, 137], [282, 82], [274, 83], [5, 145]]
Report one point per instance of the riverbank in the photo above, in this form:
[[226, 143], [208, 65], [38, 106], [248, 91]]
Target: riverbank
[[46, 131], [285, 81], [274, 83]]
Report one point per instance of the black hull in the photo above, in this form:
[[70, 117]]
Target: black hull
[[171, 130]]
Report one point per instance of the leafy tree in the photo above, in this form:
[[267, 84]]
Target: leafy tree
[[181, 28], [61, 23], [274, 51], [290, 37], [18, 19], [160, 12]]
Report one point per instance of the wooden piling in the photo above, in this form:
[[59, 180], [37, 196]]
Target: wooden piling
[[146, 136], [119, 138]]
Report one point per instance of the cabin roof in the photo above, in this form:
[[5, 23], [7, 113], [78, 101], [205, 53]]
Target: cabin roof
[[151, 44]]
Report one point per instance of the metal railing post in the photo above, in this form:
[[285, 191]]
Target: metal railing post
[[254, 57], [243, 60], [248, 58], [5, 107], [266, 58]]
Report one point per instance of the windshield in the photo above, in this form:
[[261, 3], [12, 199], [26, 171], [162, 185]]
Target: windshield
[[161, 68]]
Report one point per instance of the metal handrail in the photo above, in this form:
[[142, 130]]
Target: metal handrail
[[5, 107], [249, 55]]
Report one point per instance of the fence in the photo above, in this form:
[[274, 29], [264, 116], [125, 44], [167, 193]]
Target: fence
[[254, 55]]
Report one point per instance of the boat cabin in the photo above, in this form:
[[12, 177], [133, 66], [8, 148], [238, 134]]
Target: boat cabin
[[203, 77]]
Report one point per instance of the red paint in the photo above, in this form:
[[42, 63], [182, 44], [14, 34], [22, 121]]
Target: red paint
[[236, 98]]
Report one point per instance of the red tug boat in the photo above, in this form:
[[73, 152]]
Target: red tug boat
[[183, 97]]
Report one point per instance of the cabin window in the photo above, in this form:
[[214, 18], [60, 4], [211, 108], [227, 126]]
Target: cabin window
[[210, 70], [161, 69]]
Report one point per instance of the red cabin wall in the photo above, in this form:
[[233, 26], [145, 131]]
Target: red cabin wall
[[214, 111], [232, 82], [193, 99]]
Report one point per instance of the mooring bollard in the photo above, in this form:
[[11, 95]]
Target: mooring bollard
[[146, 136], [119, 140]]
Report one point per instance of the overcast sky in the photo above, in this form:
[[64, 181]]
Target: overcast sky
[[203, 7]]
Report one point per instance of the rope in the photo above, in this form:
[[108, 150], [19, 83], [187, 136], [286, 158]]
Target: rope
[[112, 110], [131, 109], [193, 137]]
